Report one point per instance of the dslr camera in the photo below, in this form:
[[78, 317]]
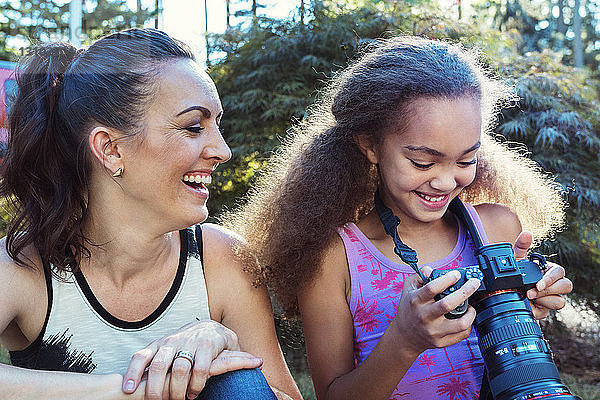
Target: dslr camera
[[518, 360]]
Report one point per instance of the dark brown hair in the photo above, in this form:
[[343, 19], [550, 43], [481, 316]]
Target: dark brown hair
[[320, 180], [61, 93]]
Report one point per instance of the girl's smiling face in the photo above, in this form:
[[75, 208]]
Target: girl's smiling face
[[168, 168], [431, 159]]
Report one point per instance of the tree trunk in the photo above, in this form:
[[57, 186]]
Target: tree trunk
[[138, 15], [561, 27], [254, 13], [206, 34], [301, 12], [577, 39], [227, 14]]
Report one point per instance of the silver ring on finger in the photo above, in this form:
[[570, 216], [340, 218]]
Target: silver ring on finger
[[185, 354]]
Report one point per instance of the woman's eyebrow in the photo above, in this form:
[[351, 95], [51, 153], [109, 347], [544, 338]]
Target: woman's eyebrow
[[436, 153], [205, 111]]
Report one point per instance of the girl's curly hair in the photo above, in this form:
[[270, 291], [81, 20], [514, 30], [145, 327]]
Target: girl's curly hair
[[319, 179]]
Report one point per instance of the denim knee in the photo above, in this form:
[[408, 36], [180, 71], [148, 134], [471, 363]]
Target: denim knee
[[237, 385]]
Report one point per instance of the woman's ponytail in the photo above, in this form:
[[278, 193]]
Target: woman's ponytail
[[39, 172], [61, 94]]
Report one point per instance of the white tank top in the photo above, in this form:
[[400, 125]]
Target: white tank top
[[79, 335]]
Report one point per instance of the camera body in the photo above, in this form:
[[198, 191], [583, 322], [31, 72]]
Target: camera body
[[498, 270]]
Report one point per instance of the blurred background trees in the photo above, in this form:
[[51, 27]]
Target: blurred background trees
[[268, 71]]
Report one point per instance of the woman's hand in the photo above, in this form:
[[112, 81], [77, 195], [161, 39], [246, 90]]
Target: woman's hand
[[197, 351], [547, 293], [420, 318]]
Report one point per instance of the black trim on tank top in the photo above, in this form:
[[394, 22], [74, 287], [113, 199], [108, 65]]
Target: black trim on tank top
[[32, 349], [108, 317]]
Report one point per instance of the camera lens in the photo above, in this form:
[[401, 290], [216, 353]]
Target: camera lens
[[517, 357]]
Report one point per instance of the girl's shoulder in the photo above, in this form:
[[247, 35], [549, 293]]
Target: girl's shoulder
[[333, 276], [501, 224]]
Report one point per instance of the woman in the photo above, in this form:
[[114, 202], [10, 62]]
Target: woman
[[110, 153]]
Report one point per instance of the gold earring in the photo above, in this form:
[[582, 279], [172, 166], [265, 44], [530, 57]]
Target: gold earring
[[118, 173]]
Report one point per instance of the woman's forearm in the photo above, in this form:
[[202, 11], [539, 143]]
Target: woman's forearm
[[20, 383]]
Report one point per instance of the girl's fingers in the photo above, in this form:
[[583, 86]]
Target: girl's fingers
[[137, 366], [546, 303], [522, 244], [455, 299], [426, 293], [554, 273]]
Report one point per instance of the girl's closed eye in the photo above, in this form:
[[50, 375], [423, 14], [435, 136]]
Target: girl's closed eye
[[421, 166], [467, 163]]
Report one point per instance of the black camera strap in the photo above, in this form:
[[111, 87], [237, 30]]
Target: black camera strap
[[390, 223]]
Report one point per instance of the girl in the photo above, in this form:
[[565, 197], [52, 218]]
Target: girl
[[103, 275], [407, 119]]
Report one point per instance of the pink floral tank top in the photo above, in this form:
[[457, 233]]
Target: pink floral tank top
[[450, 373]]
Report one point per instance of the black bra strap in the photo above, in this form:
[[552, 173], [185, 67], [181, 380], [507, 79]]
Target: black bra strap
[[198, 232]]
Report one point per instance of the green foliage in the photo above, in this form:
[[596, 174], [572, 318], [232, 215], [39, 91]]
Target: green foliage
[[4, 358], [271, 73], [32, 21], [557, 118]]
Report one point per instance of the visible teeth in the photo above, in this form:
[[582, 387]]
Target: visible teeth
[[207, 179], [432, 199]]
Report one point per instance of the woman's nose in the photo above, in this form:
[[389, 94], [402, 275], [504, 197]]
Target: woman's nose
[[218, 148]]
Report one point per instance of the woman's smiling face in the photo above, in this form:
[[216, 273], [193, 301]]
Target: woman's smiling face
[[169, 165], [432, 159]]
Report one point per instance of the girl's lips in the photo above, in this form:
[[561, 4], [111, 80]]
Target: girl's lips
[[433, 201]]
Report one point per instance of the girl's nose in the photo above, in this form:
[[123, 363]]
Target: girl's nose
[[445, 181]]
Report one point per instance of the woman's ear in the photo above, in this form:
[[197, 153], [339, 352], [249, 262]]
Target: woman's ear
[[367, 147], [105, 148]]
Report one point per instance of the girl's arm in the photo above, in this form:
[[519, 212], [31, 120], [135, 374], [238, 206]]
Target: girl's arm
[[328, 331], [20, 383], [245, 309]]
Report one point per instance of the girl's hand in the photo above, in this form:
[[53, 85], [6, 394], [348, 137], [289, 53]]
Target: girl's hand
[[214, 350], [420, 319], [547, 293]]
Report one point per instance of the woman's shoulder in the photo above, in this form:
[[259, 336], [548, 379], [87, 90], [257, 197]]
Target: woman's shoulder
[[225, 256], [22, 289], [501, 224], [19, 274], [220, 243]]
